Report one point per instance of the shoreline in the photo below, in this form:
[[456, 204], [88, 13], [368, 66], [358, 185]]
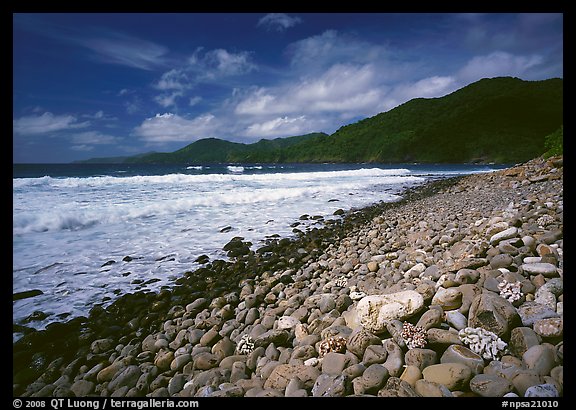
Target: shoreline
[[167, 343]]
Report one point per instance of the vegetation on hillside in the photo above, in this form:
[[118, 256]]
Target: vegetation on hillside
[[501, 120]]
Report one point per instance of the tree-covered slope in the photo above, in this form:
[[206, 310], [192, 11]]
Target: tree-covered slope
[[499, 119]]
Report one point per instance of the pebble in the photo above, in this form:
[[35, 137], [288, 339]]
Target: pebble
[[253, 326]]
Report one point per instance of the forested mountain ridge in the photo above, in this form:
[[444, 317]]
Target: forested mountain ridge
[[502, 120]]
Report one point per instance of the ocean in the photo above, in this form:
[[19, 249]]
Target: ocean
[[84, 234]]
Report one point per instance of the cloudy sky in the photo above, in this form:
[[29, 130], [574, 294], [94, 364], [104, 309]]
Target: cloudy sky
[[96, 84]]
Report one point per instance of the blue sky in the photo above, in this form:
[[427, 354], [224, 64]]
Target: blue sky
[[113, 84]]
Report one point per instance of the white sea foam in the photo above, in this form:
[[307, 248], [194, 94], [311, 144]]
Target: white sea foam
[[66, 229]]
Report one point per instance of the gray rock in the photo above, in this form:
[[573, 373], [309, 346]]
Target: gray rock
[[360, 339], [330, 386], [522, 339], [552, 327], [546, 269], [283, 373], [127, 377], [334, 363], [530, 312], [487, 385], [493, 313], [395, 387], [540, 358], [374, 354], [524, 379], [371, 380], [421, 358], [429, 319], [542, 390]]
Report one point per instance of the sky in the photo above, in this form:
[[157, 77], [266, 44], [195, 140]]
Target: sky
[[91, 85]]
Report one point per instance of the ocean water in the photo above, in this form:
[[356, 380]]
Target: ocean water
[[74, 225]]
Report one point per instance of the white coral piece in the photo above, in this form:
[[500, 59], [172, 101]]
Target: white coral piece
[[245, 345], [414, 336], [341, 281], [483, 342], [511, 291], [545, 220]]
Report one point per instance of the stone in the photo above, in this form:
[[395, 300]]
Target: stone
[[552, 327], [375, 310], [411, 374], [330, 386], [487, 385], [542, 390], [456, 319], [420, 358], [547, 269], [125, 378], [530, 312], [521, 339], [334, 363], [540, 358], [360, 339], [286, 322], [426, 388], [455, 376], [461, 354], [283, 373], [374, 354], [502, 235], [429, 319], [493, 313], [82, 388], [395, 387], [448, 299]]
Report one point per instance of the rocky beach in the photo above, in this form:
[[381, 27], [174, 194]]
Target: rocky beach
[[454, 291]]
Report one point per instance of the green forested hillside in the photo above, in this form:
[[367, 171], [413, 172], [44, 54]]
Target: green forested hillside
[[500, 120], [494, 120]]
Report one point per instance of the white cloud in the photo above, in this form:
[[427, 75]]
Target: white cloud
[[221, 63], [281, 126], [117, 48], [170, 127], [278, 21], [168, 100], [498, 64], [341, 88], [194, 100], [175, 79], [93, 138], [435, 86], [45, 124], [202, 67], [331, 47]]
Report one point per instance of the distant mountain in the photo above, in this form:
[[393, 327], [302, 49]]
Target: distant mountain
[[500, 120]]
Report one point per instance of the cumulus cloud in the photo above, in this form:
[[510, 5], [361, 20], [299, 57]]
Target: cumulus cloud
[[341, 88], [169, 99], [332, 47], [280, 126], [201, 67], [45, 124], [278, 21], [169, 127], [175, 79], [497, 64]]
